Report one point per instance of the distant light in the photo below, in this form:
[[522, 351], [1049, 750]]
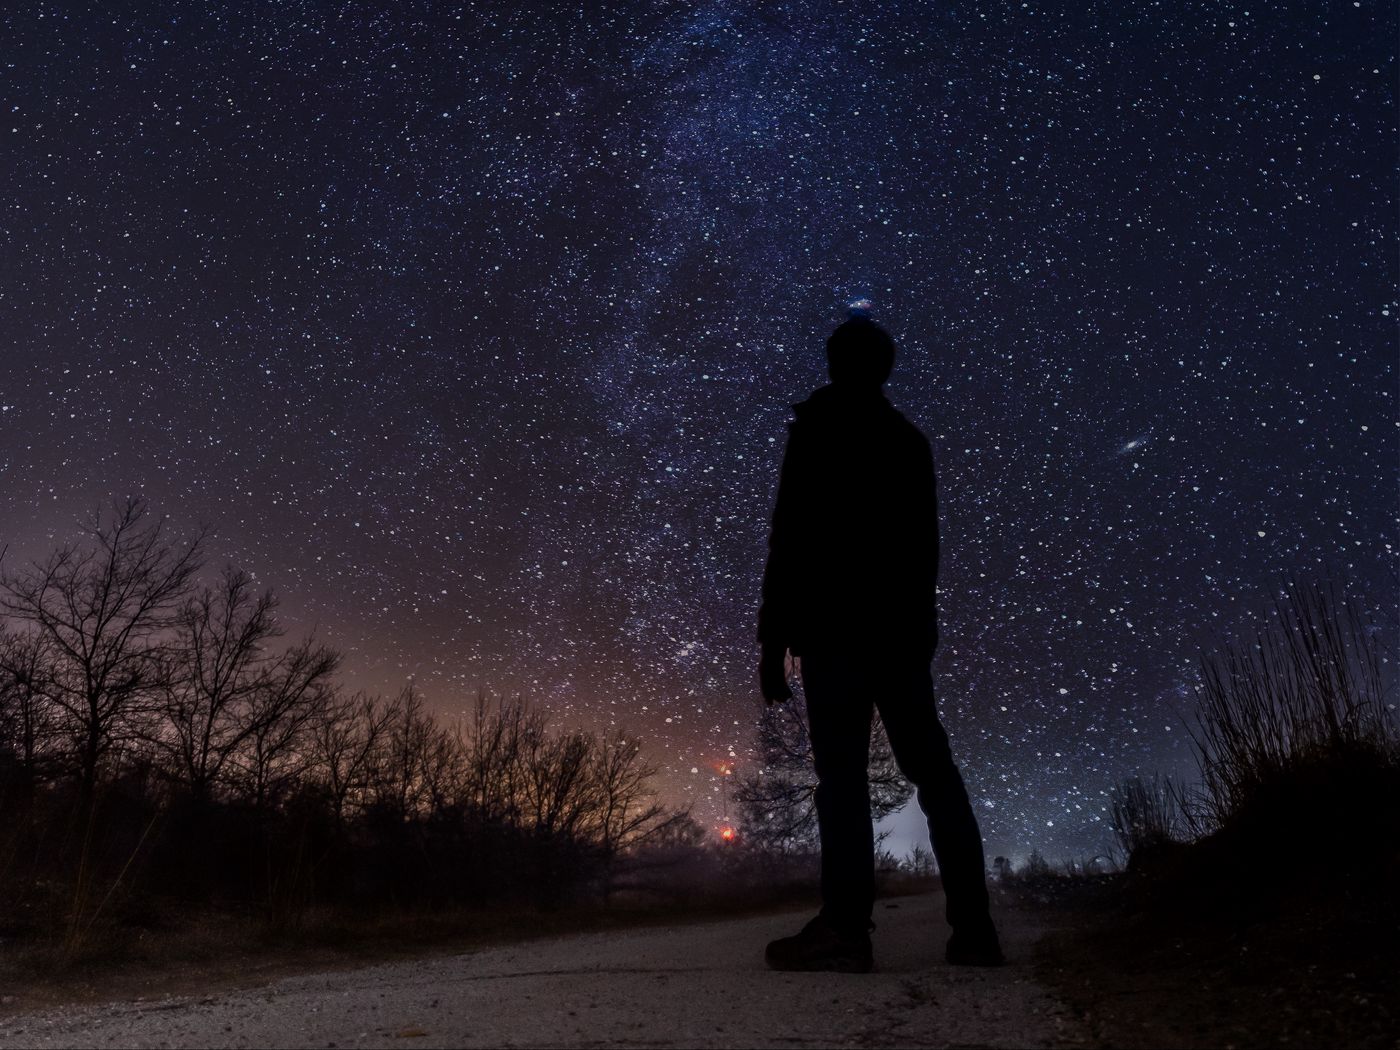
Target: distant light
[[727, 834]]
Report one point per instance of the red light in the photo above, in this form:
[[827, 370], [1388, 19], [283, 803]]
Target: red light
[[727, 834]]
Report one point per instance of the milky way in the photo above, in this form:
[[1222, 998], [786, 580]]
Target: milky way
[[473, 331]]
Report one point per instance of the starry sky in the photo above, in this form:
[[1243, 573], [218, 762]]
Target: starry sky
[[472, 329]]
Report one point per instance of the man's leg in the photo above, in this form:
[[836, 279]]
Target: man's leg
[[920, 746], [839, 711]]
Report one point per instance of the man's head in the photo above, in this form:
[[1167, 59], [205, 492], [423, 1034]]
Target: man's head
[[859, 353]]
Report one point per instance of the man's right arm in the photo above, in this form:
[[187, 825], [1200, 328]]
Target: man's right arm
[[775, 614]]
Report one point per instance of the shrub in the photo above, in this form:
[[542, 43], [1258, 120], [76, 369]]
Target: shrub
[[1309, 690], [1145, 815]]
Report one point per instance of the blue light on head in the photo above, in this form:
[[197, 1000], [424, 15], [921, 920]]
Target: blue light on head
[[860, 308]]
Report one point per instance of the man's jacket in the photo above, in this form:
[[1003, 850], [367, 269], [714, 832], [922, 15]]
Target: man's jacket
[[853, 554]]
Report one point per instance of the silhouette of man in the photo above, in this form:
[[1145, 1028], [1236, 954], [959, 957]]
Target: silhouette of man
[[849, 589]]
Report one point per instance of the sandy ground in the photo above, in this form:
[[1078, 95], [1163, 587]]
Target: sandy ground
[[698, 985]]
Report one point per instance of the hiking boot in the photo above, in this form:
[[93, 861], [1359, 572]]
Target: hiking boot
[[821, 947], [975, 947]]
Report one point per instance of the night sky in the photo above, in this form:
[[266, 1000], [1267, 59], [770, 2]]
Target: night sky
[[472, 329]]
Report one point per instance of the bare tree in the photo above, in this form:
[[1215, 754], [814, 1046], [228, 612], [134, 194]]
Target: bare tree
[[102, 608], [492, 788], [558, 789], [443, 769], [626, 813], [677, 830], [221, 671], [920, 862], [399, 786], [26, 714], [292, 689], [777, 804], [344, 738]]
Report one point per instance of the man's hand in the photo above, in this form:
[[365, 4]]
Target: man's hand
[[772, 675]]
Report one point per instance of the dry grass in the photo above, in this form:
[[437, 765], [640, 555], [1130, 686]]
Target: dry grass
[[1258, 910], [1310, 688]]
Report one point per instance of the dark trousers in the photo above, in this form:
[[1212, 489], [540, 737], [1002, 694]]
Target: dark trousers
[[843, 689]]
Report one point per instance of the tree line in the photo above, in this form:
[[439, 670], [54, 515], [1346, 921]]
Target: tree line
[[156, 722]]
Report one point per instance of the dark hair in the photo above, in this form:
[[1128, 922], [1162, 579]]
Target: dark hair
[[860, 353]]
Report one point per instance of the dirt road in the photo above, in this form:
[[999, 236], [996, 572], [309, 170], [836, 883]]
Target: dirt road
[[695, 985]]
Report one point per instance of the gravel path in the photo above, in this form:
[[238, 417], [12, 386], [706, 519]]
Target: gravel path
[[696, 985]]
